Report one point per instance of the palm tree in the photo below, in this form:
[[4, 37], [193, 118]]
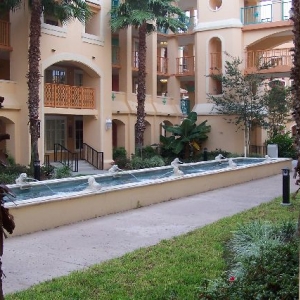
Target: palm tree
[[295, 71], [146, 16], [64, 11]]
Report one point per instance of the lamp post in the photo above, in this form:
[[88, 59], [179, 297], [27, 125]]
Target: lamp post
[[286, 186]]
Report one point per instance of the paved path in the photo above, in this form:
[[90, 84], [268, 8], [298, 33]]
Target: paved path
[[40, 256]]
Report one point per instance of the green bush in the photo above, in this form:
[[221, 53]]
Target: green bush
[[9, 174], [62, 172], [120, 157], [285, 145], [263, 264], [142, 163]]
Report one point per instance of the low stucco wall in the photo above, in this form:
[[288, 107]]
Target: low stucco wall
[[32, 216]]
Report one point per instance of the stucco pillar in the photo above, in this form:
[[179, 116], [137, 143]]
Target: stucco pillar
[[125, 39], [173, 82]]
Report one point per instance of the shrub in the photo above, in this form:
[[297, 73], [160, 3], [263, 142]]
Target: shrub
[[285, 145], [264, 265], [62, 172], [120, 157]]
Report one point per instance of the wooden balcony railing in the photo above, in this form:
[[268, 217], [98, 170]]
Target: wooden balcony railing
[[266, 59], [215, 61], [66, 96], [4, 34], [162, 65], [185, 66], [115, 54]]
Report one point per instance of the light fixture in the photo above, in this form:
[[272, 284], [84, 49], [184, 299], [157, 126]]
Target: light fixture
[[53, 50], [93, 57], [164, 43], [163, 80], [108, 124]]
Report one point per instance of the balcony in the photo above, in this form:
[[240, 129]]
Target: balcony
[[4, 35], [115, 54], [266, 13], [185, 66], [272, 60], [66, 96], [162, 65]]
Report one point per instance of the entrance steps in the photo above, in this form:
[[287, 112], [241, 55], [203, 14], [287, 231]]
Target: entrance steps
[[84, 168]]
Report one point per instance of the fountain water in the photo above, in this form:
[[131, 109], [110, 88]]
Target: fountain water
[[231, 163]]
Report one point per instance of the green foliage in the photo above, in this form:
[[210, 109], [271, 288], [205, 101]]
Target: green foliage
[[264, 264], [285, 144], [120, 157], [146, 152], [187, 137], [173, 268], [279, 104], [242, 99], [9, 174], [62, 172], [161, 14], [138, 162]]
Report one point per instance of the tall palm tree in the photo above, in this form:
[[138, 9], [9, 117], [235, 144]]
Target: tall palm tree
[[295, 71], [64, 11], [146, 16]]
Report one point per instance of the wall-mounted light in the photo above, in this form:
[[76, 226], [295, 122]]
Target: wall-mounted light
[[93, 57], [108, 124], [53, 50], [163, 80]]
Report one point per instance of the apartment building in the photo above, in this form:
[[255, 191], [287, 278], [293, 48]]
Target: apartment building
[[89, 76]]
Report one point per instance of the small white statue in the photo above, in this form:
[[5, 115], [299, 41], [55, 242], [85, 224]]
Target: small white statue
[[93, 185], [219, 157], [22, 179], [176, 162], [114, 169], [267, 157], [231, 163]]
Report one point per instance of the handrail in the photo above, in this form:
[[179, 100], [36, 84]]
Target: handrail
[[92, 156], [66, 157]]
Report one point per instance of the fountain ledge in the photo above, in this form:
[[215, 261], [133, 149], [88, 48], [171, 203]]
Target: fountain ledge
[[52, 211]]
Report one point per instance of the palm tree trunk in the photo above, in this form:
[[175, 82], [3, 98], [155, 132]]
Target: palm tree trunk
[[34, 56], [141, 91]]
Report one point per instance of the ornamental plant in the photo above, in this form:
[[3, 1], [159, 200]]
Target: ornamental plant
[[263, 264]]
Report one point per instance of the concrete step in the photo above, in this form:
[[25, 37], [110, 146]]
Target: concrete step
[[84, 168]]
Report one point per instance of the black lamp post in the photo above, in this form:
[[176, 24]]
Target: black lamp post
[[285, 186]]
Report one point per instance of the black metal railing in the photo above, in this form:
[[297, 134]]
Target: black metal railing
[[92, 156], [261, 150], [66, 157]]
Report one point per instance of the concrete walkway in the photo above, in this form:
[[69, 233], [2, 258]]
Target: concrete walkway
[[40, 256]]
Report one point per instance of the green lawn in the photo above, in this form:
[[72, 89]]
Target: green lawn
[[170, 270]]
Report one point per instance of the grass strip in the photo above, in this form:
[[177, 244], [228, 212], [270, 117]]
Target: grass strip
[[171, 269]]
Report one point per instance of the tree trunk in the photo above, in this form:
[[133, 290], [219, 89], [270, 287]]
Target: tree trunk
[[34, 56], [295, 71], [141, 91]]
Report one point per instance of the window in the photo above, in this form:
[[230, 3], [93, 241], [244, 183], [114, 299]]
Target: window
[[78, 78], [51, 20], [55, 132], [56, 75], [215, 4]]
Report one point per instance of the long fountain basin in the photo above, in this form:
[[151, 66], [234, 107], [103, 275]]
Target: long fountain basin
[[48, 212]]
